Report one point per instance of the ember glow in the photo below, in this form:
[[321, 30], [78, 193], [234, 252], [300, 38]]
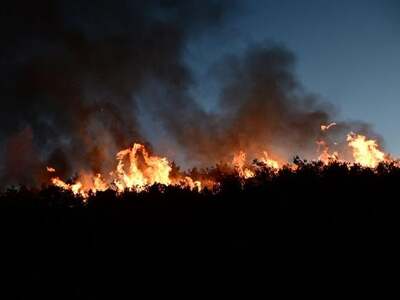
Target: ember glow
[[137, 169]]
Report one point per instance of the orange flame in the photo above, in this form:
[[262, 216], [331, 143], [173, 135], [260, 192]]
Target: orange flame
[[137, 169], [239, 162], [75, 188], [154, 169], [327, 127], [365, 152], [269, 162], [50, 170], [325, 156]]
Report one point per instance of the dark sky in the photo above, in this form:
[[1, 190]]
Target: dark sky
[[348, 51]]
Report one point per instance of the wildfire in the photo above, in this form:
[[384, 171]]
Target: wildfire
[[76, 188], [136, 169], [326, 157], [365, 152], [327, 127], [269, 162], [143, 169], [50, 169], [239, 163]]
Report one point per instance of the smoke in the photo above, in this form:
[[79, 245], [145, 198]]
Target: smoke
[[262, 106], [70, 71], [78, 77]]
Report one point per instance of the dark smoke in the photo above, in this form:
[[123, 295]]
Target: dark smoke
[[70, 70], [262, 107], [77, 76]]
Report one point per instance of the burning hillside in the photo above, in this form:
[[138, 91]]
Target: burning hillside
[[78, 103], [137, 169], [139, 136]]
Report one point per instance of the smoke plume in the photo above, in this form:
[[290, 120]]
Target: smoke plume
[[78, 75]]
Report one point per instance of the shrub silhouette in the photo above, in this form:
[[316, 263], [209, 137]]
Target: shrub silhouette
[[319, 212]]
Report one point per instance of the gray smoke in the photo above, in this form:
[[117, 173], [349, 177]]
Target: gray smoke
[[78, 77], [262, 107]]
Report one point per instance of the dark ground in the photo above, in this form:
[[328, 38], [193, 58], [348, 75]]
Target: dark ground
[[318, 219]]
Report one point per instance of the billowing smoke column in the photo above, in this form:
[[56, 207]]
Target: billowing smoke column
[[262, 107], [77, 76], [70, 72]]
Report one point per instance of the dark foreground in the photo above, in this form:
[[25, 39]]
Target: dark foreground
[[317, 218]]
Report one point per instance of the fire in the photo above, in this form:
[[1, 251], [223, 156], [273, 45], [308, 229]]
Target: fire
[[327, 127], [75, 188], [244, 171], [136, 169], [192, 184], [365, 152], [239, 162], [269, 162], [153, 169], [326, 157], [99, 184], [50, 169]]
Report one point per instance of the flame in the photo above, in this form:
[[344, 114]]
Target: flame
[[326, 157], [269, 162], [365, 152], [75, 188], [192, 184], [327, 127], [239, 162], [154, 169], [136, 169], [50, 170], [99, 184], [244, 171]]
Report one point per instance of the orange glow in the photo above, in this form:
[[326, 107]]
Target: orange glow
[[75, 188], [142, 169], [325, 156], [136, 169], [239, 163], [269, 162], [365, 152]]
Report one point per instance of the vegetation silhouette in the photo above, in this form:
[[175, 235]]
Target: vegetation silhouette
[[321, 211]]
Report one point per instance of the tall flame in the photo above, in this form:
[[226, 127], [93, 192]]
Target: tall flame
[[239, 163], [136, 170], [365, 152], [154, 169]]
